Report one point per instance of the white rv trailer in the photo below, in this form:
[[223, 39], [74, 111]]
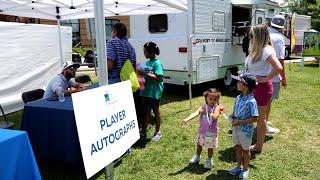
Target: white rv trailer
[[213, 53]]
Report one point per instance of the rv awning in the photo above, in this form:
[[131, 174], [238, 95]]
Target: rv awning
[[274, 3]]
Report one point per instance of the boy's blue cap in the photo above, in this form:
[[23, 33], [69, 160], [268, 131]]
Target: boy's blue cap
[[248, 79], [146, 69]]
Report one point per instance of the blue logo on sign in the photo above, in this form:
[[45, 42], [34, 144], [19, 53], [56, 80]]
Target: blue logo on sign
[[106, 97]]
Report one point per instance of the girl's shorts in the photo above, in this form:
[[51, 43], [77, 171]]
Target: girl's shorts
[[152, 102], [262, 93], [201, 141]]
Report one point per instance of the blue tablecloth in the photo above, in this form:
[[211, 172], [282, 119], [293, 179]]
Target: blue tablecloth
[[52, 129], [16, 156]]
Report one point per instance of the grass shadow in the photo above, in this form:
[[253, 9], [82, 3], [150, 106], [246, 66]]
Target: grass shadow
[[228, 155], [313, 65], [221, 174], [141, 143], [192, 168], [55, 169]]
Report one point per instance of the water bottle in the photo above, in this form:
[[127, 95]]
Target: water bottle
[[229, 118], [61, 94]]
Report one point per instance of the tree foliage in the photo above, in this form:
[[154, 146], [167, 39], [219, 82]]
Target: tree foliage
[[307, 7]]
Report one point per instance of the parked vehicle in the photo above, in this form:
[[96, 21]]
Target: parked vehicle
[[200, 44], [302, 23], [88, 56], [240, 28]]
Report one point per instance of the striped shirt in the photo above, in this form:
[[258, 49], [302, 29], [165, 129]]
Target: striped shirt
[[118, 51]]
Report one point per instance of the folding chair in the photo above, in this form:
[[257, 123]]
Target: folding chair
[[83, 79], [32, 95], [5, 124]]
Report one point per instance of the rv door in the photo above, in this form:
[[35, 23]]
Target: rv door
[[259, 16]]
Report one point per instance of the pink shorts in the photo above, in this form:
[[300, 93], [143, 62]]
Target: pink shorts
[[262, 93], [201, 141]]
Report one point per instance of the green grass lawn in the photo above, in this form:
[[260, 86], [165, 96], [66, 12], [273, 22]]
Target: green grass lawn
[[292, 154]]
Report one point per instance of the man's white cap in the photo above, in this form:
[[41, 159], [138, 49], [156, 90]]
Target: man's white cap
[[66, 65], [278, 21]]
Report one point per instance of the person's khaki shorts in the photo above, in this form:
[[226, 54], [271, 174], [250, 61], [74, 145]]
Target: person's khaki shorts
[[240, 138]]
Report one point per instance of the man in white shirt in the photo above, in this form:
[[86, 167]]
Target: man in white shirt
[[64, 81], [277, 24]]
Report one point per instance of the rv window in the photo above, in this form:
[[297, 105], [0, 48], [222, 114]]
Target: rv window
[[158, 23], [108, 24], [218, 21]]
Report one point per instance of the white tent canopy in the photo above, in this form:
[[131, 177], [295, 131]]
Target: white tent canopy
[[78, 9]]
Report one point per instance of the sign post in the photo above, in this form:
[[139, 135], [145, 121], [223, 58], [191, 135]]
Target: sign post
[[106, 123], [311, 46]]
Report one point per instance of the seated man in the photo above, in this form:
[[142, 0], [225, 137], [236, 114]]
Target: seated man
[[64, 81]]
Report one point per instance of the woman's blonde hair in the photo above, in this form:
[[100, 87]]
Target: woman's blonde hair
[[260, 38]]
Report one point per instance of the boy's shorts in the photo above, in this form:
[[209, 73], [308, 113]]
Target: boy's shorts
[[276, 90], [241, 138], [201, 141]]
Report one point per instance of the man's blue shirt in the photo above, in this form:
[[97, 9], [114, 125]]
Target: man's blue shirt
[[245, 108]]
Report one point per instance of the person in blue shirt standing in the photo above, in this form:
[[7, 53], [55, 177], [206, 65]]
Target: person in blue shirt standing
[[245, 112], [118, 51], [153, 89]]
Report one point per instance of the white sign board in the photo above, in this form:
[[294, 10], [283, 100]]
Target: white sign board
[[107, 124]]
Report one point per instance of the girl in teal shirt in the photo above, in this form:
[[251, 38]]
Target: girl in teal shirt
[[153, 89]]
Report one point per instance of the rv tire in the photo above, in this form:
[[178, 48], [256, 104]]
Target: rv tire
[[227, 80]]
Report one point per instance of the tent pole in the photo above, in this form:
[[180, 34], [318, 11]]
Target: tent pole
[[92, 47], [190, 35], [101, 42], [59, 33], [101, 50]]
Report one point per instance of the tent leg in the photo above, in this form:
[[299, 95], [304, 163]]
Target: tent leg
[[100, 42], [302, 63], [92, 47], [61, 59], [109, 171]]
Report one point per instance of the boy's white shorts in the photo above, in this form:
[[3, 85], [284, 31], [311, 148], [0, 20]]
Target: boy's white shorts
[[240, 138]]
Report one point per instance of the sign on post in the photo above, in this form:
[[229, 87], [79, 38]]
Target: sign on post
[[107, 124], [311, 44]]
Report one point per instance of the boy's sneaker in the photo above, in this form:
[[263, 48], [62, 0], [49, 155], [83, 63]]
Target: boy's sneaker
[[235, 171], [272, 130], [208, 163], [157, 137], [244, 174], [195, 159]]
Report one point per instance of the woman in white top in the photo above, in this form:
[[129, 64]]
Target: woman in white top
[[263, 63]]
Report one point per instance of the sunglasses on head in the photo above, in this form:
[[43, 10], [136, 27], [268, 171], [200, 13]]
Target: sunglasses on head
[[72, 69]]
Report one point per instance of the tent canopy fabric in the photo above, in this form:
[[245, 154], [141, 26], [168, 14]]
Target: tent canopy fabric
[[79, 9]]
